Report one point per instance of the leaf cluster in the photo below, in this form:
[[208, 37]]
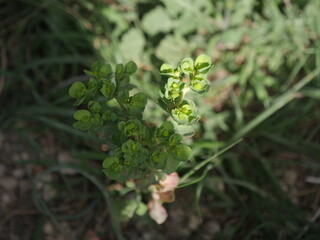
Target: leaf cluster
[[190, 75], [141, 151]]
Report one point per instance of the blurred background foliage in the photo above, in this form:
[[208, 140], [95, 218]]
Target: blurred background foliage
[[265, 89]]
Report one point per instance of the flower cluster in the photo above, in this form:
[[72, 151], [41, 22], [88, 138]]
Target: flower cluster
[[190, 75]]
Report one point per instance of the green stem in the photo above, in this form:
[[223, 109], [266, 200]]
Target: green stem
[[206, 161], [121, 105]]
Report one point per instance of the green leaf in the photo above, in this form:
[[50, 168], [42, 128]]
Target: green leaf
[[165, 130], [203, 63], [94, 107], [172, 49], [119, 69], [96, 66], [83, 126], [172, 165], [93, 83], [184, 130], [130, 128], [158, 160], [185, 113], [82, 115], [187, 23], [77, 90], [167, 69], [130, 147], [132, 45], [182, 152], [139, 100], [89, 73], [173, 88], [175, 139], [108, 90], [141, 209], [187, 66], [123, 95], [156, 21], [111, 167], [131, 67], [134, 153], [110, 162], [90, 93], [105, 70], [144, 133], [96, 122], [109, 116], [200, 86]]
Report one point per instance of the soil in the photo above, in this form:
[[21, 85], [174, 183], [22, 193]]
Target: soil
[[21, 219]]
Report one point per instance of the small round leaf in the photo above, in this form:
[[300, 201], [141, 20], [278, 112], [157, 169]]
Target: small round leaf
[[77, 90], [82, 115], [182, 152], [130, 67], [166, 69], [158, 160], [187, 65], [203, 63]]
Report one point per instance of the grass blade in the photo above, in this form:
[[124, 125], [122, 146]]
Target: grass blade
[[206, 161], [279, 103]]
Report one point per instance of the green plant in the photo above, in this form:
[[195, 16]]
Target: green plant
[[262, 50], [111, 105]]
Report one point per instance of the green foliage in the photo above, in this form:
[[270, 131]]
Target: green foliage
[[139, 150], [189, 75], [158, 160], [202, 64], [138, 101], [151, 22], [77, 90], [185, 113], [261, 50], [181, 152]]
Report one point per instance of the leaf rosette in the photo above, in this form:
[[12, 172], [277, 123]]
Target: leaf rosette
[[199, 84], [173, 88], [77, 90], [164, 132], [158, 160], [181, 152], [112, 168], [168, 70], [186, 113], [134, 153]]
